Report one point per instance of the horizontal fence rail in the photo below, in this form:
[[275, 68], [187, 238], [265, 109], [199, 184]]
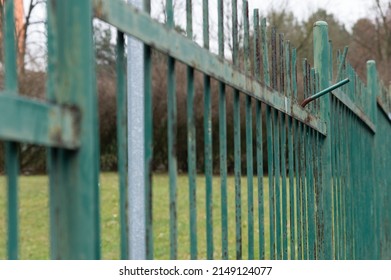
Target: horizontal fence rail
[[129, 19], [277, 180]]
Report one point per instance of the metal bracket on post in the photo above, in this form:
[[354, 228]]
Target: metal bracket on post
[[325, 91]]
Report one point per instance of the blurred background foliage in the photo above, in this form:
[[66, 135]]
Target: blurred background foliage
[[369, 38]]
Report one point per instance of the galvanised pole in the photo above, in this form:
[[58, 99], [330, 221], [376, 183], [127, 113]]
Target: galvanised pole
[[136, 151]]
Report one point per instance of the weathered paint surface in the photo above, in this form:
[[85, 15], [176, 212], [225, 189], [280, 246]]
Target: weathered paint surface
[[38, 122], [208, 141], [237, 139], [122, 144], [74, 184], [11, 148], [222, 139], [328, 194], [140, 25]]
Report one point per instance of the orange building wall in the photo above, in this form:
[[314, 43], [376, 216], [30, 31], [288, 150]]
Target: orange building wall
[[19, 22]]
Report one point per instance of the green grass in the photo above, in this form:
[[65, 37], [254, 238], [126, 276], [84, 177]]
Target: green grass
[[161, 217], [34, 217]]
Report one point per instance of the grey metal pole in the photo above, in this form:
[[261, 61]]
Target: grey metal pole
[[136, 157]]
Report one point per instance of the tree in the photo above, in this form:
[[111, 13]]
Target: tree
[[371, 39], [364, 45]]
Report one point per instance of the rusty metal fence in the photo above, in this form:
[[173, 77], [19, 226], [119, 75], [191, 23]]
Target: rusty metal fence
[[326, 191]]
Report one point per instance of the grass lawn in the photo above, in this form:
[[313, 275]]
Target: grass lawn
[[34, 217]]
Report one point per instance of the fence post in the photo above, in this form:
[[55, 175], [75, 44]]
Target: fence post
[[323, 194], [74, 183], [378, 183]]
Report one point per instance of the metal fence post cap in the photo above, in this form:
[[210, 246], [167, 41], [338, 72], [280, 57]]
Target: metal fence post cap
[[320, 23], [371, 62]]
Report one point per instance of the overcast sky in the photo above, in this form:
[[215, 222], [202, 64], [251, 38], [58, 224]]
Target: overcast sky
[[346, 11]]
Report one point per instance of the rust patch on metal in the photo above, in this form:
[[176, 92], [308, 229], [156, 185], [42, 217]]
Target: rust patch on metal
[[77, 118], [56, 133], [308, 119], [98, 9]]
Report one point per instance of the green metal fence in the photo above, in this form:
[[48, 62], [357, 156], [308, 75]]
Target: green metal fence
[[326, 191]]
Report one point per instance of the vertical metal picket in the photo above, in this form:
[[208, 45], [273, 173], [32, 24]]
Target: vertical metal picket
[[259, 137], [222, 138], [284, 198], [191, 146], [122, 143], [148, 138], [269, 138], [172, 142], [237, 137], [208, 140], [327, 164], [276, 152], [291, 79], [249, 138], [11, 148]]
